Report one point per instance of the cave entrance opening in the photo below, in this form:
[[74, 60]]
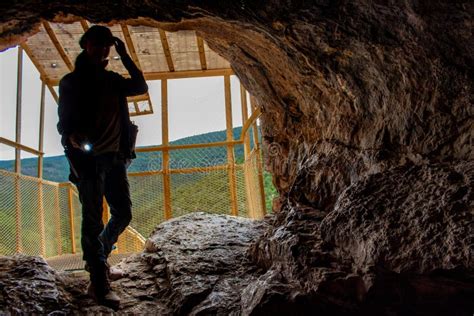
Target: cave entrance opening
[[218, 170]]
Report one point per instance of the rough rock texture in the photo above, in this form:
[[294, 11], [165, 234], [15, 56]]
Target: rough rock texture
[[415, 219], [29, 285], [368, 114], [195, 264]]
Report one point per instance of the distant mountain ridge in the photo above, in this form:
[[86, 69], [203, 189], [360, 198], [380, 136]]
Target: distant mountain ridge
[[56, 168]]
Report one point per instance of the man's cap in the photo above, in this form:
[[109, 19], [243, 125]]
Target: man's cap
[[98, 34]]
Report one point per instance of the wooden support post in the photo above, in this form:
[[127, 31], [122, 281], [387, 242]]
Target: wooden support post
[[71, 219], [166, 155], [40, 173], [57, 221], [41, 131], [18, 221], [19, 86], [253, 104], [230, 148], [248, 171]]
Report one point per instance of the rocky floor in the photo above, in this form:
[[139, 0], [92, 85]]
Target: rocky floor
[[195, 264]]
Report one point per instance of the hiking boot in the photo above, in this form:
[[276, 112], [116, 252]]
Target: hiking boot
[[99, 288], [109, 299]]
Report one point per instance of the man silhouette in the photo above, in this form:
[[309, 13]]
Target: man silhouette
[[95, 126]]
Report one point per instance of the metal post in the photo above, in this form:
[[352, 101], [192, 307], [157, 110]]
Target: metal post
[[165, 142], [230, 147]]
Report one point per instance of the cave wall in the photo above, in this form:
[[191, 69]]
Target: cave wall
[[347, 88], [368, 131]]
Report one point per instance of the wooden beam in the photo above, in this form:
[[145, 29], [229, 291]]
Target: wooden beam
[[19, 86], [243, 136], [141, 113], [248, 171], [166, 155], [41, 131], [19, 146], [58, 46], [40, 174], [29, 52], [188, 146], [33, 179], [202, 55], [84, 25], [150, 105], [137, 109], [54, 94], [254, 107], [230, 148], [250, 121], [188, 74], [174, 75], [130, 46], [166, 50], [72, 229]]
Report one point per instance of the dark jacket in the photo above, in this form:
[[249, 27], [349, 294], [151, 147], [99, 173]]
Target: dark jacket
[[88, 91]]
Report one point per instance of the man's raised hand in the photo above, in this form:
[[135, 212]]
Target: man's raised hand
[[120, 47]]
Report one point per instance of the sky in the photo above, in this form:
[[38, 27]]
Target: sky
[[195, 106]]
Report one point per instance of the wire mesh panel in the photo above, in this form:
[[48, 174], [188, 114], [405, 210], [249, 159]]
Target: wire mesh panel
[[30, 216], [147, 201], [198, 157], [8, 243], [206, 191], [242, 201], [65, 219], [52, 228]]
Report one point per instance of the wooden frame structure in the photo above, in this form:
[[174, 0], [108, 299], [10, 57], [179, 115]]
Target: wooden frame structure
[[206, 64]]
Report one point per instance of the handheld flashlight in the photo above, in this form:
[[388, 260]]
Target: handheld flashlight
[[87, 147]]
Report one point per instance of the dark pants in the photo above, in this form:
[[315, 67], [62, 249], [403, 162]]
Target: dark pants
[[96, 177]]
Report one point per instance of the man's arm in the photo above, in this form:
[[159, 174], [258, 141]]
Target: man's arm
[[136, 84], [66, 110]]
